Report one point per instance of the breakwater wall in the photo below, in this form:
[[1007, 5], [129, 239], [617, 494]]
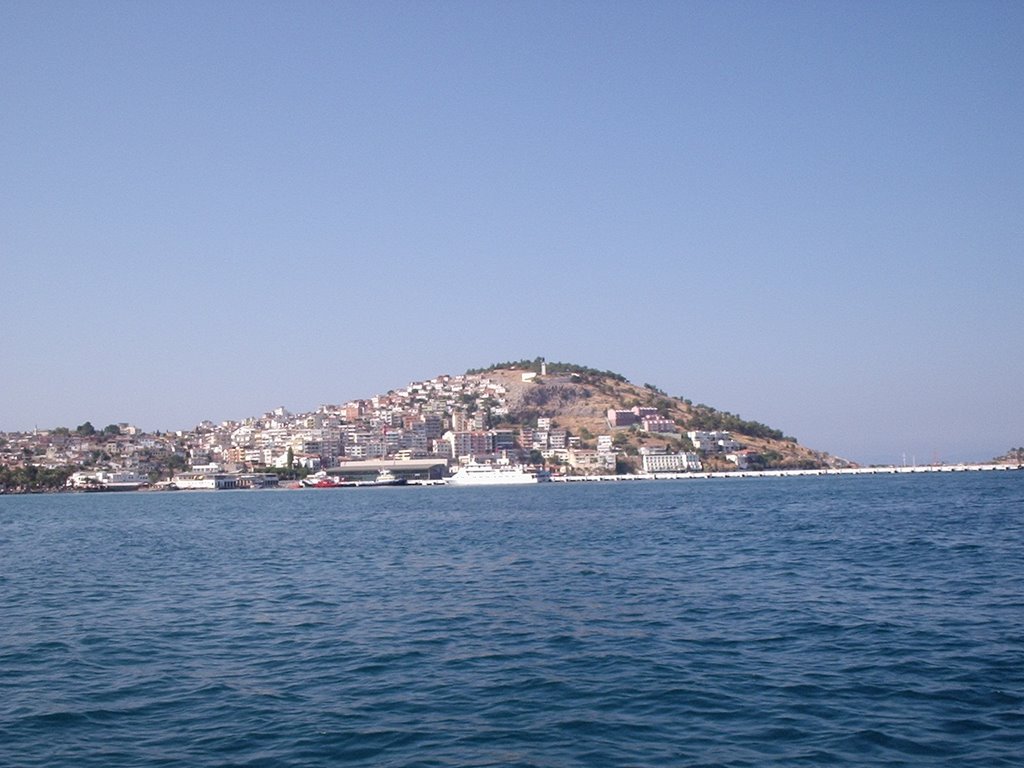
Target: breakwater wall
[[889, 470]]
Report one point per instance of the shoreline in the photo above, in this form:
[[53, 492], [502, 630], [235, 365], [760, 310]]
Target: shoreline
[[885, 470]]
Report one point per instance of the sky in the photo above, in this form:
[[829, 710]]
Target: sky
[[807, 213]]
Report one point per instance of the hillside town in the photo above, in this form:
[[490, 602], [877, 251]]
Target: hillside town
[[423, 431]]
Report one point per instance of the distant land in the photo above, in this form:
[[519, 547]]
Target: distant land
[[569, 418]]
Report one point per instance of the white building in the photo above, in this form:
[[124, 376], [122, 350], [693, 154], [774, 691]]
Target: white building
[[599, 462], [671, 462], [201, 481], [742, 459], [442, 448], [712, 442]]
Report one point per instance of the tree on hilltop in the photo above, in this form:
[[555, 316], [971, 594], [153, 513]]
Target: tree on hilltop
[[552, 368]]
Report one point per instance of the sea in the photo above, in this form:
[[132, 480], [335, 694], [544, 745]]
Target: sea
[[832, 621]]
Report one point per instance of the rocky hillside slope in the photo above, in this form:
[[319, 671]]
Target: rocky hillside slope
[[578, 399]]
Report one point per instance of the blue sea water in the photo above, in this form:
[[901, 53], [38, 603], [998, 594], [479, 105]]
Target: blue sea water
[[783, 621]]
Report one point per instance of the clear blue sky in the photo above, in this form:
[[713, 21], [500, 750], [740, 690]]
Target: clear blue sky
[[810, 214]]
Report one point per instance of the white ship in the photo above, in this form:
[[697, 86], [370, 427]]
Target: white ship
[[107, 481], [498, 474]]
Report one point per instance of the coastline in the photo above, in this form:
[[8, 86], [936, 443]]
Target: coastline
[[884, 470]]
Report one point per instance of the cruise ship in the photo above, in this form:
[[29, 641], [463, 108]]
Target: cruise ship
[[498, 474]]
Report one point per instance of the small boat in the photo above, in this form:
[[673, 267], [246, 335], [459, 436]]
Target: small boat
[[320, 480], [387, 477]]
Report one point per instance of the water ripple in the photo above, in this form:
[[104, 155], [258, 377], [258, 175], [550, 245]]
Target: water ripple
[[831, 621]]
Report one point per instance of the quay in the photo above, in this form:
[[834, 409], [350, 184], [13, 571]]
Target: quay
[[885, 470]]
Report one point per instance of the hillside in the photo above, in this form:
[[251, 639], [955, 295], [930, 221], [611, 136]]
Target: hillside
[[1012, 456], [449, 418], [578, 399]]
